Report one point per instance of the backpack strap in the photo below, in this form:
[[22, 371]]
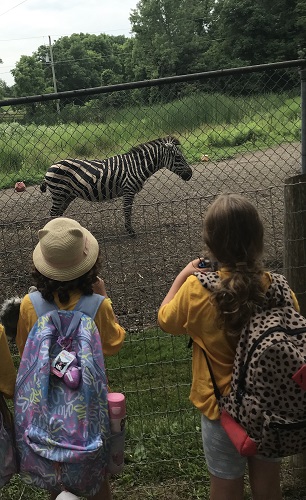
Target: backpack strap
[[88, 304], [211, 373], [41, 305], [208, 280], [279, 292]]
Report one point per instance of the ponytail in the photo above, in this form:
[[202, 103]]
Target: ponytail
[[237, 297]]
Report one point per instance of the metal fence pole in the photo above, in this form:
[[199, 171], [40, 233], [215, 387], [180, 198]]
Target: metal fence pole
[[303, 117], [295, 260]]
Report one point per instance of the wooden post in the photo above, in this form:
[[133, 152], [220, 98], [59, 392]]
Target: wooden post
[[295, 263]]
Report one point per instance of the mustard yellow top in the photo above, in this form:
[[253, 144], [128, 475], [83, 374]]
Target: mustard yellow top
[[7, 369], [111, 333], [191, 312]]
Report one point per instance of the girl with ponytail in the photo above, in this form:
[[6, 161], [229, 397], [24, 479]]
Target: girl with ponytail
[[233, 236]]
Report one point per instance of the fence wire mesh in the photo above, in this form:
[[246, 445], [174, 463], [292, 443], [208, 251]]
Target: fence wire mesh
[[239, 133]]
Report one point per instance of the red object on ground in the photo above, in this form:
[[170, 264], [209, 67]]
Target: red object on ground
[[20, 187]]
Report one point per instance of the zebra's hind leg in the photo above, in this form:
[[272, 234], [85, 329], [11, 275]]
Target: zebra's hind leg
[[127, 207], [129, 229], [60, 205]]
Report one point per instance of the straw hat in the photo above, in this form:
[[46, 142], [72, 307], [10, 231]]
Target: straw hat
[[65, 251]]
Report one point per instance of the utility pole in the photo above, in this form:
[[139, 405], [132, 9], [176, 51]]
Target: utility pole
[[53, 75]]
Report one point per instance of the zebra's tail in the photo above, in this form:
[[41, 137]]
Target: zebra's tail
[[43, 187]]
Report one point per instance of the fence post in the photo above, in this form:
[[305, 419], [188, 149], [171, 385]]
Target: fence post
[[295, 263], [303, 116]]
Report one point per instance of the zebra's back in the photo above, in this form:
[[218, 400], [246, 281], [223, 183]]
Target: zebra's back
[[92, 180]]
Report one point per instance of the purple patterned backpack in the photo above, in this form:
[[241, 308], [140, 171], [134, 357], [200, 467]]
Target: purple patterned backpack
[[62, 429]]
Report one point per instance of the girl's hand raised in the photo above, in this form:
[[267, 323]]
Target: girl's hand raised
[[99, 287], [194, 265]]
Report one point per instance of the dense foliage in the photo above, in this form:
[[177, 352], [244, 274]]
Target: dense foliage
[[169, 37]]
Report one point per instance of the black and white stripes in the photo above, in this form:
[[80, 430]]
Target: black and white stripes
[[121, 175]]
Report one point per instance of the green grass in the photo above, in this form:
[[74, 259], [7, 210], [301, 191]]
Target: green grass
[[218, 125]]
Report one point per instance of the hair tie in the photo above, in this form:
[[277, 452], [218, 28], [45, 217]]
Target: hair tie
[[241, 266], [232, 312]]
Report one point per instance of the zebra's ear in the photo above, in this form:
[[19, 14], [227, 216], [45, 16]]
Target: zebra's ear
[[171, 142]]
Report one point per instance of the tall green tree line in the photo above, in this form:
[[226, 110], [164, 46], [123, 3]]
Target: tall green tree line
[[170, 37]]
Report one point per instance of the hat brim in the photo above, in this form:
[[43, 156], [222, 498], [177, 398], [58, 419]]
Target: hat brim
[[72, 272]]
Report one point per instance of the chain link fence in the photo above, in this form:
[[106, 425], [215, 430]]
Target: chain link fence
[[240, 131]]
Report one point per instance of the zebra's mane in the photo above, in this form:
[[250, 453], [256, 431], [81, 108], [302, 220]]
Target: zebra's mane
[[162, 140]]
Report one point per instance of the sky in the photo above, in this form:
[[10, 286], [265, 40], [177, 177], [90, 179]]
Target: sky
[[27, 24]]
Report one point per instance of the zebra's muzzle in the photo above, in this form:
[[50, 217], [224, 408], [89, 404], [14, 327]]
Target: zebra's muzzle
[[186, 176]]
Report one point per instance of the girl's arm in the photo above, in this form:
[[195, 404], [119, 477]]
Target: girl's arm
[[7, 369], [181, 278], [99, 287]]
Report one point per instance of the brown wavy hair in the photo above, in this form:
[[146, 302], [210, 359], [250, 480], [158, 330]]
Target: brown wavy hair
[[233, 233], [47, 287]]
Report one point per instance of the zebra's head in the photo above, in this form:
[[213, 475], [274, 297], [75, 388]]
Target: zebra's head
[[176, 161]]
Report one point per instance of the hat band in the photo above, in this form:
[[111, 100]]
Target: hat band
[[72, 262]]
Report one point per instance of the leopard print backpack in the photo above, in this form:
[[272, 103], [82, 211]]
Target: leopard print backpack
[[268, 387]]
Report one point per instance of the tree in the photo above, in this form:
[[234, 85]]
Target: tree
[[29, 76], [170, 36], [248, 32], [300, 22], [80, 59], [5, 90]]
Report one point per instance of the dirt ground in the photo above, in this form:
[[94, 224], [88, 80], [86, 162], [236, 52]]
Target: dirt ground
[[167, 218]]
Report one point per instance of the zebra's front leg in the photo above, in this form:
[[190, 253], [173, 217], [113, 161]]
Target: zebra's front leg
[[127, 207]]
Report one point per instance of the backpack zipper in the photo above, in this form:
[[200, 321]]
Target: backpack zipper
[[292, 426], [95, 363]]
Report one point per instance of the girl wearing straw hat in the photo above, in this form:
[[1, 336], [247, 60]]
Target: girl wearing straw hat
[[66, 266]]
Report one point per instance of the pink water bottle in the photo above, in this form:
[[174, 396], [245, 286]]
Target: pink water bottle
[[117, 414]]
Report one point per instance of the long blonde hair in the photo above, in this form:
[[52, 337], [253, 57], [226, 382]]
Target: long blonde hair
[[233, 233]]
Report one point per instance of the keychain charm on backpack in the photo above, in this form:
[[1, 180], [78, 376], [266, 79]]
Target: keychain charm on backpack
[[65, 366]]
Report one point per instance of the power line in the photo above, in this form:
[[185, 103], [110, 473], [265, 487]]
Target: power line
[[13, 8]]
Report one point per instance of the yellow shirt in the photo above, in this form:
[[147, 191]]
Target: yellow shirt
[[191, 312], [111, 333], [7, 369]]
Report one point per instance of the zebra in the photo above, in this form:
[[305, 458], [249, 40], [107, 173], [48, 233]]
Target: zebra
[[121, 175]]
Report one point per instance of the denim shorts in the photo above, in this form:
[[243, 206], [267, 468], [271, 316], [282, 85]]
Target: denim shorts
[[222, 458]]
